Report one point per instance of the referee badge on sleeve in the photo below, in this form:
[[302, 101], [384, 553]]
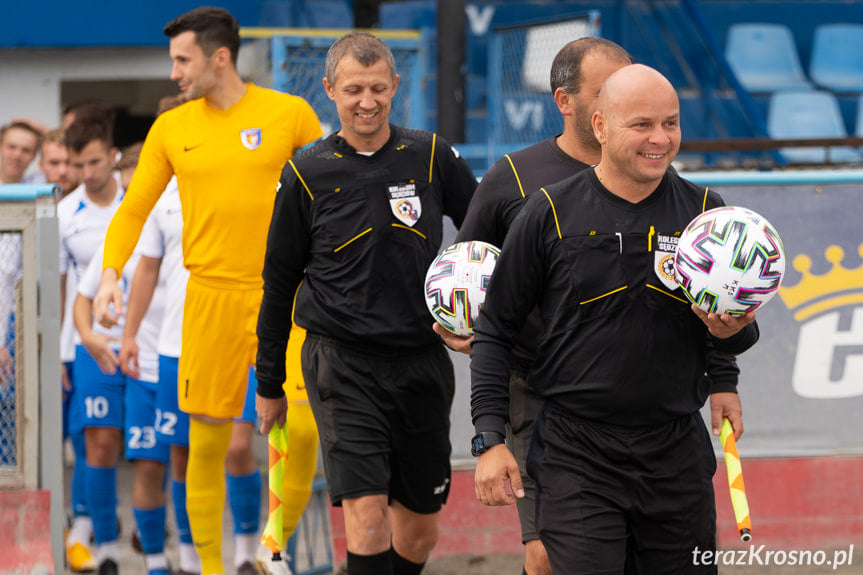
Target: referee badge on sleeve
[[405, 203], [251, 138]]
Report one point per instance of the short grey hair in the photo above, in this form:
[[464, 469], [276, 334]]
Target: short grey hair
[[366, 48]]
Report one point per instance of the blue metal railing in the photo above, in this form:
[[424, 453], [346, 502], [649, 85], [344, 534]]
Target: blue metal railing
[[313, 529], [774, 177], [21, 192]]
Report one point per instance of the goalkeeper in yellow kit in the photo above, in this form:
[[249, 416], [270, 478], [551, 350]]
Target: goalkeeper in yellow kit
[[226, 146]]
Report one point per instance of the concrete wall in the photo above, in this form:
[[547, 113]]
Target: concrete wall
[[30, 80]]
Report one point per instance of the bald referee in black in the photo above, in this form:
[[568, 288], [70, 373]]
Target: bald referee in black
[[620, 454]]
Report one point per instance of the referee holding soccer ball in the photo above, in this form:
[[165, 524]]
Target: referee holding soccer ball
[[620, 454], [578, 71], [356, 223]]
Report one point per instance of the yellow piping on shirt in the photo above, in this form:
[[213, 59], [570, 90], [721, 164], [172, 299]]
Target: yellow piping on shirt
[[297, 172], [431, 160], [662, 291], [704, 202], [294, 305], [515, 173], [359, 235], [554, 213], [422, 235], [603, 295]]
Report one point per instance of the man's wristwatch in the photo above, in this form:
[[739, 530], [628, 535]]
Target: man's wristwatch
[[481, 442]]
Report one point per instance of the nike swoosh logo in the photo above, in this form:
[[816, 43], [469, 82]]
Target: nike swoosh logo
[[203, 543], [301, 387], [189, 148]]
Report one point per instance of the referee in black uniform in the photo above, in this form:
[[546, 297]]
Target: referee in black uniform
[[356, 223], [577, 73], [620, 453]]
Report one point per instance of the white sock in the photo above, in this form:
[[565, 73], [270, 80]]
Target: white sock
[[156, 561], [189, 560], [81, 530], [245, 545], [108, 551]]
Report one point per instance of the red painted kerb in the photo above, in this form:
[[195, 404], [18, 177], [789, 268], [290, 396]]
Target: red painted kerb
[[795, 503]]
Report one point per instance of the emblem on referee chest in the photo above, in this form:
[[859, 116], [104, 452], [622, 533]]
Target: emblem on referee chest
[[251, 138], [405, 203], [663, 260]]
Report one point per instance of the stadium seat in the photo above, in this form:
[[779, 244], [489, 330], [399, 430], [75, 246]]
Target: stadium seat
[[837, 57], [808, 114], [329, 14], [858, 129], [764, 57]]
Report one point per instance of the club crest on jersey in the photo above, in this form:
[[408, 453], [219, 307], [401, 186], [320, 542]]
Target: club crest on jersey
[[663, 260], [405, 203], [251, 138]]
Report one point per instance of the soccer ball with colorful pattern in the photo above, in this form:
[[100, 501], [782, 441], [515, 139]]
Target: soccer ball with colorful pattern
[[729, 260], [456, 284]]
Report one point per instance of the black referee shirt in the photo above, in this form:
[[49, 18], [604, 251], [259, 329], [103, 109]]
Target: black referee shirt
[[621, 344], [497, 201], [356, 235]]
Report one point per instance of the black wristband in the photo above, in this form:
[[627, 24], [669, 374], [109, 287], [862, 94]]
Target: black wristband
[[481, 442]]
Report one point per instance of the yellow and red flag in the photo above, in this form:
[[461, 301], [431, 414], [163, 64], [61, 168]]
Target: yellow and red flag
[[735, 481], [273, 536]]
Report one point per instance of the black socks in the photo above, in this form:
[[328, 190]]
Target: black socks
[[402, 566], [387, 563], [378, 564]]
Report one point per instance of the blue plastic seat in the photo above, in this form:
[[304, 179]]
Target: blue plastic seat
[[837, 57], [808, 114], [764, 57], [858, 130]]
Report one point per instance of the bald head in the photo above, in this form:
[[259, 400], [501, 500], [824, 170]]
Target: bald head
[[637, 122], [635, 85]]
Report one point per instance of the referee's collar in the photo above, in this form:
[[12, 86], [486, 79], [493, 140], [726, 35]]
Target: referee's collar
[[342, 145]]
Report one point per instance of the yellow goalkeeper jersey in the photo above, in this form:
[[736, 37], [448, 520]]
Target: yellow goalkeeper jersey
[[227, 164]]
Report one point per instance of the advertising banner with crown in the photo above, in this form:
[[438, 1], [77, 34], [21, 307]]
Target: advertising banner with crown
[[802, 384]]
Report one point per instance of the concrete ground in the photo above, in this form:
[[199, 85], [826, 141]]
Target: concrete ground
[[505, 564]]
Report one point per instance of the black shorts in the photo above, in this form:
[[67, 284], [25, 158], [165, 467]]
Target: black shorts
[[623, 500], [383, 421], [524, 406]]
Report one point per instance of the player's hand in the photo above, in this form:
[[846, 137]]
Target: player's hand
[[454, 342], [129, 358], [723, 326], [497, 480], [97, 345], [109, 293], [726, 404], [271, 411]]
